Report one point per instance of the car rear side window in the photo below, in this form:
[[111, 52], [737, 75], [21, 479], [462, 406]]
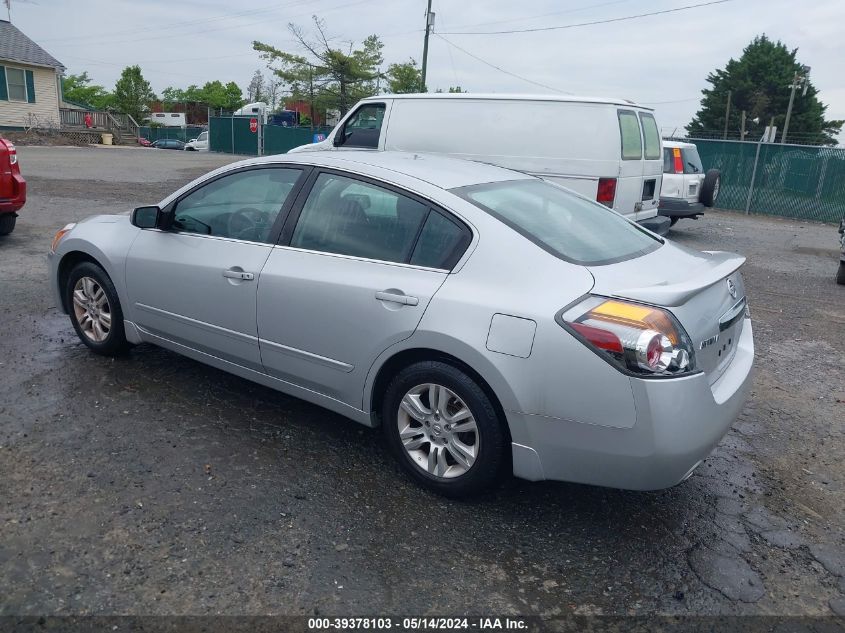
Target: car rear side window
[[351, 217], [441, 243], [564, 224], [632, 142], [651, 136]]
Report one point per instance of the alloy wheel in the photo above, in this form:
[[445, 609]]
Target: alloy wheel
[[438, 431], [91, 309]]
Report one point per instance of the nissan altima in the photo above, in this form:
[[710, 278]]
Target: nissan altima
[[488, 321]]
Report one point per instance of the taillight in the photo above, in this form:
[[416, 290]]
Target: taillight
[[606, 193], [679, 162], [637, 338]]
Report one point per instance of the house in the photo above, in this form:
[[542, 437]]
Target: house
[[30, 82]]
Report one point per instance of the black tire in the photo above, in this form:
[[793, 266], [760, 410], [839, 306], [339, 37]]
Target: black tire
[[711, 187], [840, 274], [492, 436], [673, 221], [7, 223], [114, 343]]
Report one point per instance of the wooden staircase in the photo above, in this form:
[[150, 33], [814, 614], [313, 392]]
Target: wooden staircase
[[121, 126]]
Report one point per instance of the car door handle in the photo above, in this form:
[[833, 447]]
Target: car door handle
[[393, 297], [238, 274]]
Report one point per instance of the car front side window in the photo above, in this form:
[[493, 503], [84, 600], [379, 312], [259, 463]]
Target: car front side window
[[243, 205], [363, 128]]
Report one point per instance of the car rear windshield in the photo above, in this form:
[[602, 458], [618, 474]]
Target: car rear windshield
[[692, 161], [564, 224]]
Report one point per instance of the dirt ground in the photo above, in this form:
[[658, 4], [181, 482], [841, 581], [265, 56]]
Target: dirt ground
[[155, 485]]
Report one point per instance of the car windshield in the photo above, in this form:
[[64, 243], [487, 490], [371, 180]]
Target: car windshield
[[565, 224]]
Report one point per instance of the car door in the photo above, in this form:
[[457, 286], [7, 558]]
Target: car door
[[195, 283], [357, 264]]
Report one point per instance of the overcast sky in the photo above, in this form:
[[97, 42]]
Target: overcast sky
[[661, 60]]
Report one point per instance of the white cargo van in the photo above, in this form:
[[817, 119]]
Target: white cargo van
[[606, 149]]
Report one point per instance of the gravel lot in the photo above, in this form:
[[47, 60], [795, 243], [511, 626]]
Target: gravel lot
[[155, 485]]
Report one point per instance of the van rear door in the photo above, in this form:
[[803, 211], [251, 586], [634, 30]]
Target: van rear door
[[652, 167], [630, 184]]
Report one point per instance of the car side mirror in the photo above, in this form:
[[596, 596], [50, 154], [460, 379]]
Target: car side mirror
[[146, 217]]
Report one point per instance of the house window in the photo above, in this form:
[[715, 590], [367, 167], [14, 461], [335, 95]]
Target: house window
[[16, 83]]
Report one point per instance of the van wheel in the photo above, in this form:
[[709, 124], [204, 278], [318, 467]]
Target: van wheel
[[444, 430], [673, 221], [7, 223], [710, 188], [840, 275]]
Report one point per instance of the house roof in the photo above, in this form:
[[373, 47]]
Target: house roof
[[17, 47]]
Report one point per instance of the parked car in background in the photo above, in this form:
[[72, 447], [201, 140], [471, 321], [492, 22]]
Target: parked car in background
[[144, 142], [12, 187], [168, 143], [686, 189], [840, 275], [412, 291], [605, 149], [198, 144]]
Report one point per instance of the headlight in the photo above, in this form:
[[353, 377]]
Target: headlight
[[636, 338], [60, 235]]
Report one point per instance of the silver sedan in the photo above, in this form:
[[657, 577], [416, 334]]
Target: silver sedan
[[487, 320]]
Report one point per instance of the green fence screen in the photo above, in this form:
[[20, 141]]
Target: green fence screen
[[233, 136], [182, 133], [796, 181]]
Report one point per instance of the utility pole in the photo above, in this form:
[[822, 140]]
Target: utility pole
[[429, 24], [802, 78], [727, 115]]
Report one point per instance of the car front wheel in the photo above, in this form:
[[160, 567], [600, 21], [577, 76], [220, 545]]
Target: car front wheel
[[444, 430], [95, 310]]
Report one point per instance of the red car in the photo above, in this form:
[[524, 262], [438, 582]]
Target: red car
[[12, 187]]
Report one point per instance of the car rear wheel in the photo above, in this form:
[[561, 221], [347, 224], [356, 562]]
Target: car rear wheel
[[444, 430], [7, 223], [840, 274], [95, 310], [710, 188]]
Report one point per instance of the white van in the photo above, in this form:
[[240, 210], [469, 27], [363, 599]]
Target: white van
[[258, 110], [606, 149]]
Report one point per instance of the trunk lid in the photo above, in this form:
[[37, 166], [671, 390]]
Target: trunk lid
[[704, 290]]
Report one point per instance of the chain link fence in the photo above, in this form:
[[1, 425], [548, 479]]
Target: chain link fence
[[796, 181]]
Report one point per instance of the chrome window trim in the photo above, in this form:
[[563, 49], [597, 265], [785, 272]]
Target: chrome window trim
[[363, 259]]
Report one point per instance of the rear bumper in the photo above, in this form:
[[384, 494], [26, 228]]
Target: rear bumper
[[656, 224], [16, 202], [680, 208], [679, 422]]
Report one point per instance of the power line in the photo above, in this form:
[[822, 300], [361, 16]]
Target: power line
[[500, 69], [544, 15], [177, 25], [606, 21]]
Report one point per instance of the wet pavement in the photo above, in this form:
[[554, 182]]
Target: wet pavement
[[152, 484]]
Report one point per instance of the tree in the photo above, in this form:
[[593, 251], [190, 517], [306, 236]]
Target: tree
[[132, 93], [171, 95], [255, 89], [759, 83], [404, 78], [325, 76], [79, 89]]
